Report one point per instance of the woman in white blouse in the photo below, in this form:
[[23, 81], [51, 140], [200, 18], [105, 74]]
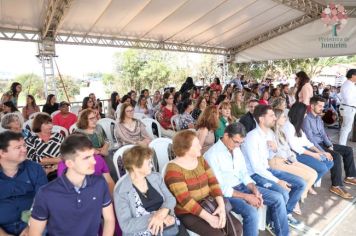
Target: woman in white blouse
[[306, 152]]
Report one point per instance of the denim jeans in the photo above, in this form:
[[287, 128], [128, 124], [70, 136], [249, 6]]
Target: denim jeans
[[273, 200], [298, 186], [321, 167], [290, 198]]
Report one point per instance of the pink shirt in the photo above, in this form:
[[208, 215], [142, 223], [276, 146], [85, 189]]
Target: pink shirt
[[65, 122], [305, 94]]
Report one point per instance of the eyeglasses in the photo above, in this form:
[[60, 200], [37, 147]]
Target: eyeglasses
[[128, 111], [237, 142]]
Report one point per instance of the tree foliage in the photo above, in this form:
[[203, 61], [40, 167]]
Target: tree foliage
[[285, 68]]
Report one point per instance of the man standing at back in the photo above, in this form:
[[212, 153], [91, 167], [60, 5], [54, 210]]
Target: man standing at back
[[348, 105], [73, 203], [20, 179]]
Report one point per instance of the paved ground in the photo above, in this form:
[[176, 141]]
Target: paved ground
[[325, 213]]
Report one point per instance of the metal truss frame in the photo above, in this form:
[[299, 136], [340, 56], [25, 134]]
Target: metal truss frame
[[291, 25], [89, 40], [312, 12]]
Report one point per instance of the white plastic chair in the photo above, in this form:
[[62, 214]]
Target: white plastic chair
[[73, 128], [148, 123], [60, 129], [117, 155], [160, 145], [32, 116], [108, 126], [175, 122], [55, 113], [75, 109], [139, 116]]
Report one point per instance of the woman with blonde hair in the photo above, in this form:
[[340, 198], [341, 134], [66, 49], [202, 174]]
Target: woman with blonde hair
[[238, 107], [207, 123], [285, 159], [225, 119]]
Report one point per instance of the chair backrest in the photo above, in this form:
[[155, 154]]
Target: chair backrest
[[148, 122], [28, 124], [60, 129], [75, 109], [117, 155], [139, 116], [32, 116], [175, 122], [73, 128], [55, 113], [108, 126], [160, 145]]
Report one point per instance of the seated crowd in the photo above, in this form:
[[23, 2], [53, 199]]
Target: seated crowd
[[235, 149]]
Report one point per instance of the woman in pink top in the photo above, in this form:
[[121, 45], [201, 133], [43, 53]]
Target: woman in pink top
[[304, 88]]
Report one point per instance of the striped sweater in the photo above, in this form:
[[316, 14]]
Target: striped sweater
[[191, 186]]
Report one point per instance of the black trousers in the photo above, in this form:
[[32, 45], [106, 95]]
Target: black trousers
[[339, 154]]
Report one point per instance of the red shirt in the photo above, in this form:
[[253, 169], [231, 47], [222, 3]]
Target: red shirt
[[165, 117], [65, 122], [216, 87], [263, 102]]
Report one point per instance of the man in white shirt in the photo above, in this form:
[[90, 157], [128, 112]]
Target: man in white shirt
[[227, 162], [256, 151], [348, 105]]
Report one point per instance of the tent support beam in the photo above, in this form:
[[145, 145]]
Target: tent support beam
[[312, 12], [93, 40], [54, 15]]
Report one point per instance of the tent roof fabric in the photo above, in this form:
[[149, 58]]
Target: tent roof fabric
[[217, 24]]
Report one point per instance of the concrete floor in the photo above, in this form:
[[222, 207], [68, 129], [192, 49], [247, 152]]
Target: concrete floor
[[326, 213]]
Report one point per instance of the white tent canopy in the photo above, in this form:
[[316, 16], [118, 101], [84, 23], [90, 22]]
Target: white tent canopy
[[311, 40], [205, 26]]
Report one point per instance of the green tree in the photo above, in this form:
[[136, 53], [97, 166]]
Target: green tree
[[139, 69], [31, 84], [71, 86]]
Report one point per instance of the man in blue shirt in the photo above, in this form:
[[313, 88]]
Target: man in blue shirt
[[19, 181], [228, 164], [313, 126], [74, 203]]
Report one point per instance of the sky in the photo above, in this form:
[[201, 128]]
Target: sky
[[20, 57]]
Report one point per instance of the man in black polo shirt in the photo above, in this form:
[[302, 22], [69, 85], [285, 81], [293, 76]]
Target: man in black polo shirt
[[74, 203], [247, 120], [20, 179]]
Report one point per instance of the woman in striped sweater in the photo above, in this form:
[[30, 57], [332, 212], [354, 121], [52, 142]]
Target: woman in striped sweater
[[190, 179]]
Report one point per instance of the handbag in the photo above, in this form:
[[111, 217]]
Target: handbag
[[209, 204], [171, 230]]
